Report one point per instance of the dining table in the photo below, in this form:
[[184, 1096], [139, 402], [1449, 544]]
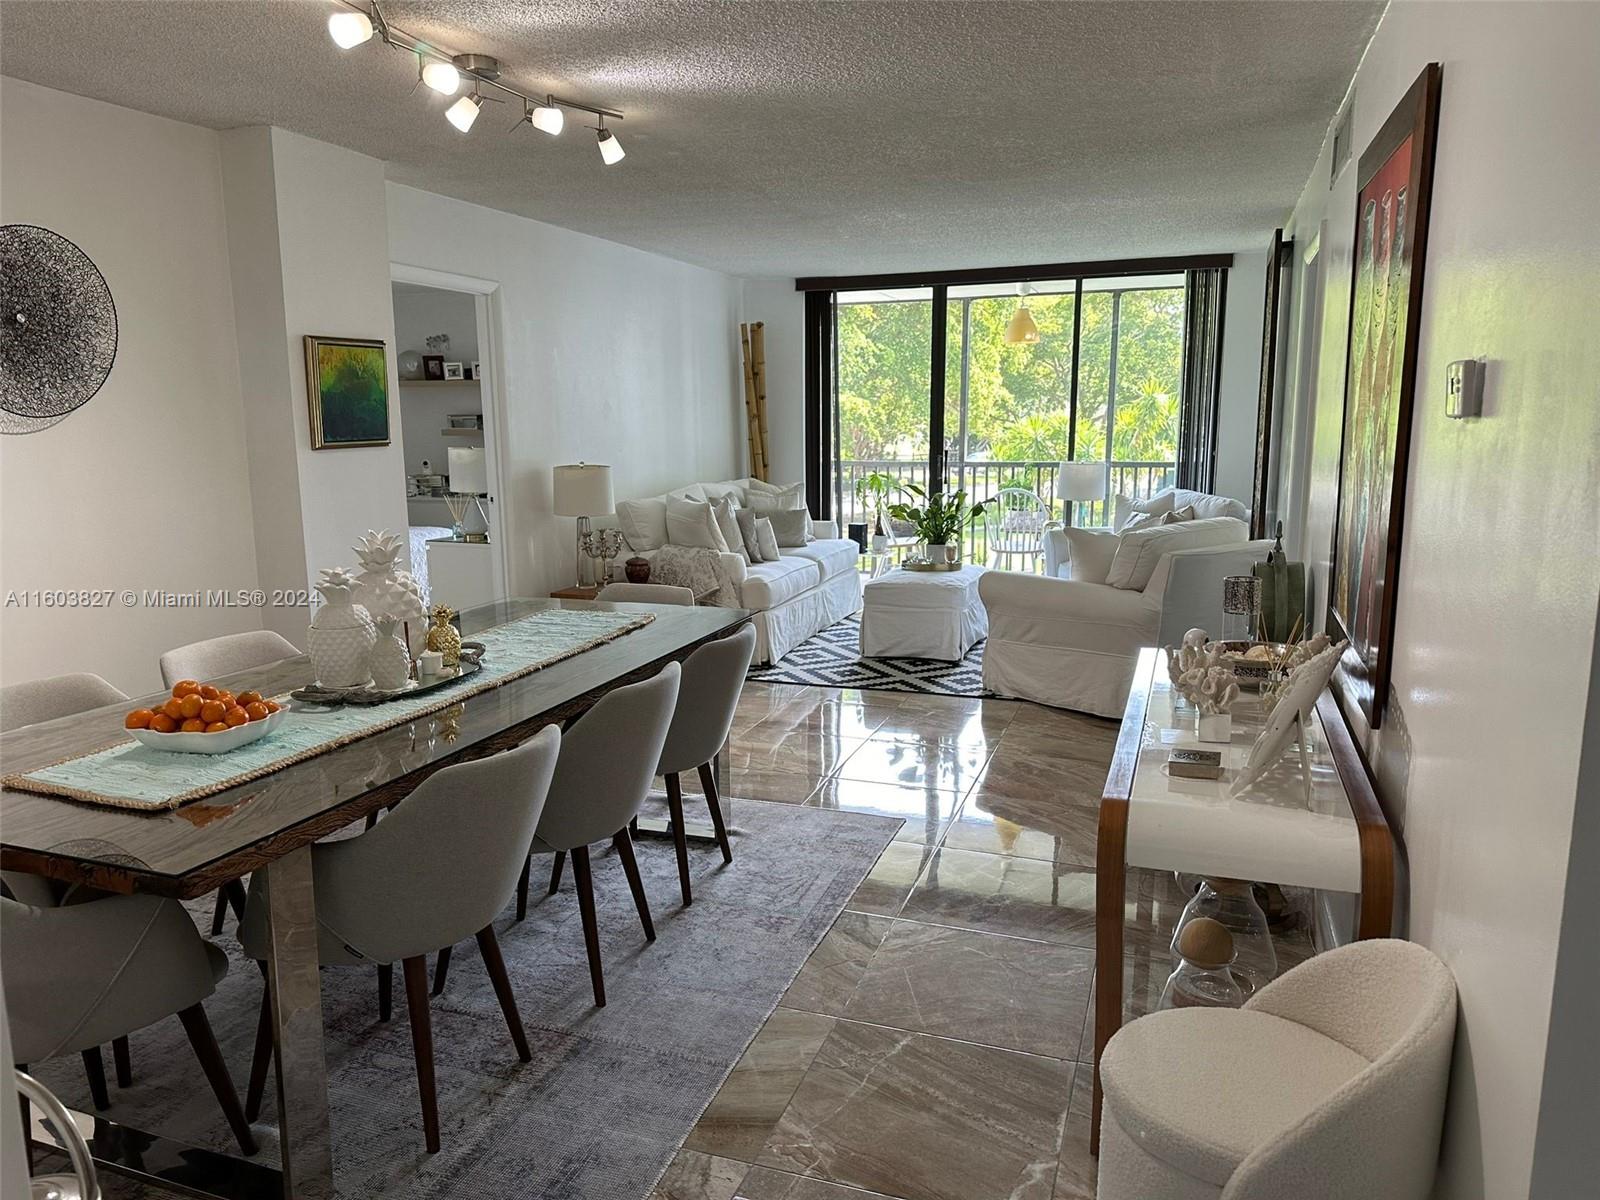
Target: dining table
[[268, 825]]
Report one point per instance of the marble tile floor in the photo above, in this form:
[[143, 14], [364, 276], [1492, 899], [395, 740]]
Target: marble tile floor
[[936, 1046]]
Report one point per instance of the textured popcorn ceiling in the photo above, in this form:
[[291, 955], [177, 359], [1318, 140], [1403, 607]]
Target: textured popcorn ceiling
[[772, 139]]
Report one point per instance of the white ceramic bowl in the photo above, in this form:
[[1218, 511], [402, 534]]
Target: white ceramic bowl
[[211, 743]]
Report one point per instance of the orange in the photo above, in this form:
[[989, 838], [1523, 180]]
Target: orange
[[272, 705], [211, 711], [226, 697], [174, 709], [207, 692], [217, 727], [192, 725], [139, 718], [257, 711], [191, 704], [162, 723], [249, 698], [236, 716], [185, 687]]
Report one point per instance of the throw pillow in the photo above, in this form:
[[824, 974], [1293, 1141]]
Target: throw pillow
[[1090, 552], [789, 527], [723, 511], [643, 523], [767, 539], [1139, 552], [1206, 505], [786, 500], [746, 519], [1125, 508], [691, 523], [1186, 513], [1140, 520]]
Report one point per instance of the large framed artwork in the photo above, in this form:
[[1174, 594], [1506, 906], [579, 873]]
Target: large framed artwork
[[1393, 190], [347, 391]]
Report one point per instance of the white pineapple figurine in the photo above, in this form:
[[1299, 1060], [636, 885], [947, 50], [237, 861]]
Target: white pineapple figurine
[[392, 596], [379, 557], [390, 661], [341, 635]]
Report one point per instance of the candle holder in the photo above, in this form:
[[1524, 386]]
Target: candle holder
[[603, 545], [1241, 608]]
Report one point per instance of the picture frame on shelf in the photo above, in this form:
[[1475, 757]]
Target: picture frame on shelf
[[1394, 185], [347, 392], [433, 366], [466, 420], [477, 372], [453, 371]]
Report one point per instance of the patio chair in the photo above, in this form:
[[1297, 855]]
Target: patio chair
[[1014, 529]]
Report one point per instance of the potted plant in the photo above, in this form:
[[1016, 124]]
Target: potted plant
[[938, 518], [872, 491]]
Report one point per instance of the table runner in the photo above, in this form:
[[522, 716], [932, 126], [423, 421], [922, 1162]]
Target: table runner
[[130, 775]]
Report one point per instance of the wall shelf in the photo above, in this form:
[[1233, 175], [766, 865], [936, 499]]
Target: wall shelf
[[466, 431], [433, 383]]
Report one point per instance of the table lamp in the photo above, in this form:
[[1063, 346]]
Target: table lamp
[[1080, 481], [583, 490], [469, 479]]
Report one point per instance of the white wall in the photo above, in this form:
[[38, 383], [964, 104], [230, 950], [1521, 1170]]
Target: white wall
[[1240, 397], [775, 302], [146, 486], [608, 354], [1499, 574]]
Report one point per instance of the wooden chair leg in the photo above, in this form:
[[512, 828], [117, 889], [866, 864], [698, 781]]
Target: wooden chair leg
[[591, 928], [260, 1059], [237, 896], [560, 857], [708, 781], [220, 914], [123, 1060], [416, 973], [623, 844], [522, 888], [489, 946], [95, 1068], [372, 818], [440, 970], [680, 839], [385, 990], [205, 1049]]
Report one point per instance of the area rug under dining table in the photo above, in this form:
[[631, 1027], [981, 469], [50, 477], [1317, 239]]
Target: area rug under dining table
[[610, 1094]]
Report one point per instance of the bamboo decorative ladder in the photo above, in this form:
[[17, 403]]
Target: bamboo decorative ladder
[[752, 339]]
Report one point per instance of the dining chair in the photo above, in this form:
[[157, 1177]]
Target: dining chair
[[212, 659], [1014, 528], [78, 975], [713, 678], [437, 870], [608, 761], [31, 703], [647, 593]]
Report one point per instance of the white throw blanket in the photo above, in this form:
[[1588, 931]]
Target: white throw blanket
[[700, 570]]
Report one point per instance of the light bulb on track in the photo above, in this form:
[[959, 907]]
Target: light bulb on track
[[610, 149], [464, 112], [349, 29], [549, 118], [442, 77]]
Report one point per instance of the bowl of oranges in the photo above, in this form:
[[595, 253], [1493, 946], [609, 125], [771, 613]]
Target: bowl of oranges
[[201, 719]]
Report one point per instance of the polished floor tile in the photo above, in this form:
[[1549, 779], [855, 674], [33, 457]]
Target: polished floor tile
[[829, 977], [763, 1183], [926, 810], [946, 766], [695, 1176], [1044, 776], [924, 1118], [978, 987], [891, 879], [995, 893], [836, 718], [747, 1107], [1053, 831]]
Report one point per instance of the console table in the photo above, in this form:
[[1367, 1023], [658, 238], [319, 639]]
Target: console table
[[1339, 842]]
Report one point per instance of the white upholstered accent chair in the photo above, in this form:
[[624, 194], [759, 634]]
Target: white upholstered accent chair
[[82, 974], [1330, 1082], [437, 870], [608, 762], [708, 696], [224, 655], [646, 593]]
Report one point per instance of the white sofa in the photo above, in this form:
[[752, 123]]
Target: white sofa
[[809, 588], [1073, 643]]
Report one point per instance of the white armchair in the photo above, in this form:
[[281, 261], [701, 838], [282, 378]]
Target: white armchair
[[1073, 644]]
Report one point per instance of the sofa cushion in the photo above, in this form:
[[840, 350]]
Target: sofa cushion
[[787, 500], [720, 491], [643, 522], [767, 541], [1089, 551], [745, 518], [694, 491], [1126, 509], [791, 527], [692, 523], [769, 584], [834, 556], [723, 510], [1139, 551], [1204, 505]]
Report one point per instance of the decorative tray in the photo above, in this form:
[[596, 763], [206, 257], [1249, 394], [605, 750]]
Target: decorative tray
[[930, 566], [317, 694], [1252, 669]]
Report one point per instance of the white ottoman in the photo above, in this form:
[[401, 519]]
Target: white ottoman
[[923, 614]]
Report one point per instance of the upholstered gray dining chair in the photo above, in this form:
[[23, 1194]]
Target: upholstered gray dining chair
[[608, 761], [82, 974], [224, 655], [647, 593], [437, 870], [713, 678]]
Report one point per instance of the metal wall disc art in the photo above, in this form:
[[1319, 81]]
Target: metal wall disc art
[[58, 328]]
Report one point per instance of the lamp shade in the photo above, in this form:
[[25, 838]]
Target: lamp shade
[[583, 490], [1081, 481], [469, 470], [1021, 329]]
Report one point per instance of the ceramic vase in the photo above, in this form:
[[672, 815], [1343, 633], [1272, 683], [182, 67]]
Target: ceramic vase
[[637, 570], [880, 543], [443, 637], [390, 661], [341, 635], [1215, 727]]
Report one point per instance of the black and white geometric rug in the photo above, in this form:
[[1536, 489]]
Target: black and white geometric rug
[[832, 658]]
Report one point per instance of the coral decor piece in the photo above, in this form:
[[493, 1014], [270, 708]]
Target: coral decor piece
[[341, 636]]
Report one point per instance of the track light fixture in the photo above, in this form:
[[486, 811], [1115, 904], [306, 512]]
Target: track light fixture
[[444, 72]]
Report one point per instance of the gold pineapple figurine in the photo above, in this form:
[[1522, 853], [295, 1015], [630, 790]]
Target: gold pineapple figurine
[[443, 637]]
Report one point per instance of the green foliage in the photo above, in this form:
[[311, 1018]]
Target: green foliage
[[938, 517], [872, 491]]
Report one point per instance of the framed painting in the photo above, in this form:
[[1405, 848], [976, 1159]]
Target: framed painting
[[347, 391], [1394, 183]]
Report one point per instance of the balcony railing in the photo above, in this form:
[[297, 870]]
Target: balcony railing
[[982, 480]]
